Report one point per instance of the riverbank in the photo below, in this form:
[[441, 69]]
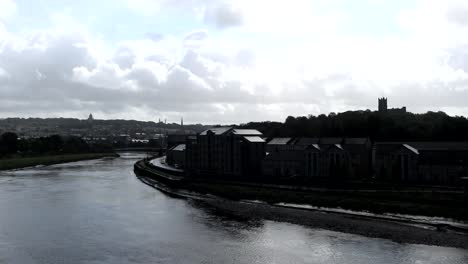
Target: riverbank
[[380, 227], [447, 204], [374, 202], [23, 162]]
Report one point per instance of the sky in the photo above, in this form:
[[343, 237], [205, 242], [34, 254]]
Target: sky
[[230, 61]]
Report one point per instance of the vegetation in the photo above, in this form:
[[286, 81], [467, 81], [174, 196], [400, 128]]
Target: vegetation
[[111, 125], [22, 162], [20, 153], [12, 147], [431, 126]]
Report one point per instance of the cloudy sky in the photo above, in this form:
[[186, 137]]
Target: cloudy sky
[[230, 61]]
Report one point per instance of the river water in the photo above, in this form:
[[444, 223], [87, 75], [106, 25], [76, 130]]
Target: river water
[[99, 212]]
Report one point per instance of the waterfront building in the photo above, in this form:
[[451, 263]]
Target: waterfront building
[[175, 156], [175, 139], [319, 158], [226, 152], [283, 164], [431, 163], [276, 144]]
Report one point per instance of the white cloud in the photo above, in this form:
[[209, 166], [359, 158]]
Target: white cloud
[[8, 9], [146, 7]]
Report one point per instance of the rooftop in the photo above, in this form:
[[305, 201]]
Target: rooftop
[[254, 139], [180, 147], [216, 130], [306, 141], [356, 141], [247, 132], [330, 140], [279, 141], [415, 151], [426, 145]]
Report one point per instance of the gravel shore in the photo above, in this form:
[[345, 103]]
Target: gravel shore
[[395, 231], [399, 232]]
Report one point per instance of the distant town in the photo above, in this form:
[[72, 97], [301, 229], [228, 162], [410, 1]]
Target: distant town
[[119, 133]]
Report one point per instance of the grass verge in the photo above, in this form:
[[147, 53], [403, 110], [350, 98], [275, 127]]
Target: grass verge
[[18, 163]]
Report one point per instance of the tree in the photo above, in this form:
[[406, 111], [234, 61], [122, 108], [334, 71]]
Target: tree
[[9, 142]]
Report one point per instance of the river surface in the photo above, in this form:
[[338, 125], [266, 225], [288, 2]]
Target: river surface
[[99, 212]]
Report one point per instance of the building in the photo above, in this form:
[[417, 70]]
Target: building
[[383, 108], [431, 163], [303, 143], [176, 156], [284, 164], [319, 158], [276, 144], [226, 152], [334, 159], [359, 149], [175, 139]]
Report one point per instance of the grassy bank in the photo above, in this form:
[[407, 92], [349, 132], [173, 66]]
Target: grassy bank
[[22, 162], [372, 202]]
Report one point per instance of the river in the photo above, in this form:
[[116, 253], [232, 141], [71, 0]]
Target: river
[[99, 212]]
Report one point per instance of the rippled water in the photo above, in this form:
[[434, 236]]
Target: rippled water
[[99, 212]]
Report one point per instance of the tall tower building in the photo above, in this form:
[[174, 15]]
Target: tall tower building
[[383, 105]]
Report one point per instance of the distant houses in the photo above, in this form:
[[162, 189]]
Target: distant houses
[[245, 154]]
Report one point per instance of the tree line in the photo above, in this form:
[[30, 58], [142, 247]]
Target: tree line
[[11, 145], [431, 126]]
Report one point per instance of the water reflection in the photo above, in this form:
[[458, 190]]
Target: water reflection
[[98, 212]]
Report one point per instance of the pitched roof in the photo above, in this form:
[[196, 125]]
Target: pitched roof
[[462, 145], [410, 148], [254, 139], [356, 141], [279, 141], [338, 146], [330, 140], [180, 147], [314, 146], [385, 147], [216, 130], [247, 132], [305, 141]]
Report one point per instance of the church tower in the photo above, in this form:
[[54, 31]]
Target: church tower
[[382, 105]]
